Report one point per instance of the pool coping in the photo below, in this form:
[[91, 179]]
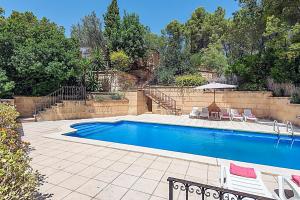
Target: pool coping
[[66, 128]]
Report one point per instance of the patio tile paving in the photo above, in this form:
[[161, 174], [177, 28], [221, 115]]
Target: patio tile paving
[[128, 159], [135, 170], [73, 182], [145, 185], [103, 163], [58, 177], [92, 187], [135, 195], [75, 168], [58, 192], [82, 171], [153, 174], [111, 192], [90, 172], [144, 162], [160, 165], [77, 196], [125, 180], [119, 167], [107, 176]]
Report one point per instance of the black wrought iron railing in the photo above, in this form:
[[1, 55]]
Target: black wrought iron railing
[[65, 93], [161, 98], [204, 192]]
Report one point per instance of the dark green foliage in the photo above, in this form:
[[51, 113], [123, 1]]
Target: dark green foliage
[[112, 21], [295, 98], [36, 55], [133, 36], [6, 86], [175, 58]]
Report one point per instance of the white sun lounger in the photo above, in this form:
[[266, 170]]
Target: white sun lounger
[[236, 115], [194, 113], [243, 184], [224, 114], [248, 115], [282, 181], [204, 113]]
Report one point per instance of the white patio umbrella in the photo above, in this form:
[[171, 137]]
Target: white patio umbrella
[[215, 86]]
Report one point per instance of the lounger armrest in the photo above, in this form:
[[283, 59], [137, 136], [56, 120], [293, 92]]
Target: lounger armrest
[[223, 176], [284, 180]]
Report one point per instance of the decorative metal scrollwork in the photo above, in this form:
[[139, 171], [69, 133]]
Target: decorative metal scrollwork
[[208, 191]]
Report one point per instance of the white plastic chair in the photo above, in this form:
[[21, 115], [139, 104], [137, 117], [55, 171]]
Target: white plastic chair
[[248, 115], [242, 184], [204, 113], [194, 113], [282, 181], [236, 115]]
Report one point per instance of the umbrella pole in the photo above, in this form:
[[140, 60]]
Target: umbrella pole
[[214, 95]]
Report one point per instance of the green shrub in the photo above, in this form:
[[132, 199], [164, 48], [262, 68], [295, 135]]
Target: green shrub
[[189, 80], [99, 98], [295, 98], [17, 178], [8, 116], [117, 96], [120, 60]]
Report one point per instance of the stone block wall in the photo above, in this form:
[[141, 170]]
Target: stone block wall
[[81, 110]]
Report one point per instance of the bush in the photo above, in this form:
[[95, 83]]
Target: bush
[[17, 178], [117, 96], [120, 60], [8, 116], [295, 98], [189, 80], [99, 98]]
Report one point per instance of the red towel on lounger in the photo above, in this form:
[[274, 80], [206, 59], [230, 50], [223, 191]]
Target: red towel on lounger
[[296, 179], [242, 171]]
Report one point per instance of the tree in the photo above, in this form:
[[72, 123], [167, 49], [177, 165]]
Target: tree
[[36, 55], [174, 57], [197, 37], [6, 86], [89, 33], [112, 21], [213, 58], [133, 36]]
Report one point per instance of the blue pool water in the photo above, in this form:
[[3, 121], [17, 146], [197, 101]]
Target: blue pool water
[[260, 148]]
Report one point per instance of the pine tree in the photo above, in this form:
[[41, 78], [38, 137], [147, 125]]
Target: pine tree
[[112, 21]]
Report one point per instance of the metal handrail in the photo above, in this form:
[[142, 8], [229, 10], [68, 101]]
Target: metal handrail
[[289, 128], [62, 94], [275, 125], [161, 98]]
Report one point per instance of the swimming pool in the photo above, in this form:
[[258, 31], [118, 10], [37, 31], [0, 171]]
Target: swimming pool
[[260, 148]]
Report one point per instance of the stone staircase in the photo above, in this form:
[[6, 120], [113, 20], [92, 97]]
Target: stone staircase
[[54, 101], [162, 100]]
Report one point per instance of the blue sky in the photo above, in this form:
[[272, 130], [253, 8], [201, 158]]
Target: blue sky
[[153, 13]]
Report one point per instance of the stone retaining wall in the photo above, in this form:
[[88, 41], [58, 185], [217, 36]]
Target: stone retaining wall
[[81, 110]]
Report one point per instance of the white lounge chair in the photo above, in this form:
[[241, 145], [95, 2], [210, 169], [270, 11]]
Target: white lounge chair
[[242, 184], [248, 115], [194, 113], [224, 114], [204, 113], [282, 181], [234, 113]]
